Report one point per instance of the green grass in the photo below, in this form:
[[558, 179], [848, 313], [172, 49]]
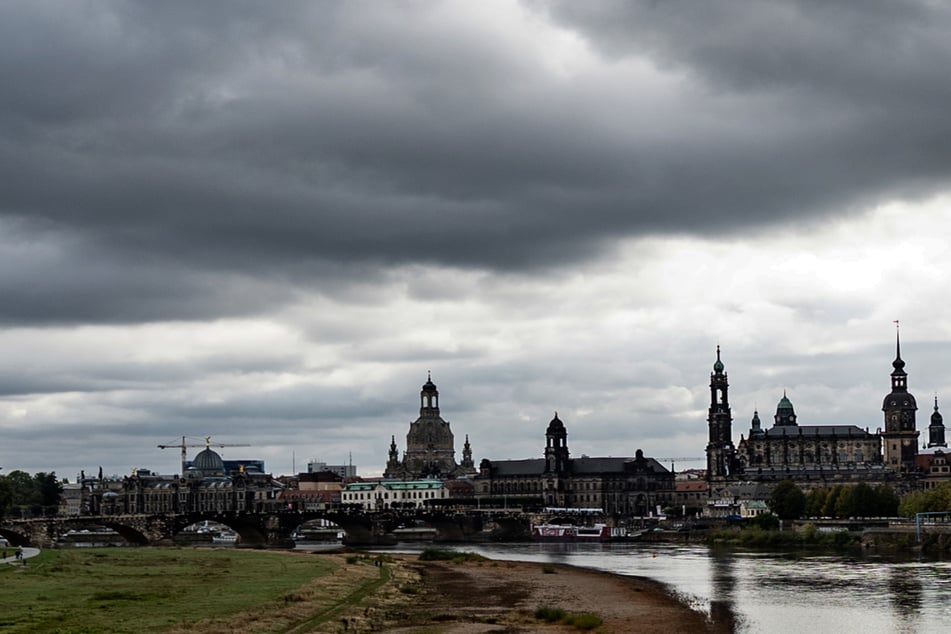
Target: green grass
[[581, 621], [444, 554], [145, 589]]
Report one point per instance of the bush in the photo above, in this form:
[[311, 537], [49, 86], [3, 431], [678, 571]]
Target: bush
[[549, 614], [444, 554], [765, 521], [583, 621], [809, 532]]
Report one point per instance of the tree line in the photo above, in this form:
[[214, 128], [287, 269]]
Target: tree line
[[25, 495], [788, 501]]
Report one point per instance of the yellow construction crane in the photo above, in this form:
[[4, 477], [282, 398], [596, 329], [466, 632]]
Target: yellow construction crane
[[185, 446]]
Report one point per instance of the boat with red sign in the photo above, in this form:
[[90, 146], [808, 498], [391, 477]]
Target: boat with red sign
[[572, 533]]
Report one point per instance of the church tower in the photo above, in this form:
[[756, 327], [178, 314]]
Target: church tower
[[901, 435], [721, 454], [556, 447], [936, 428]]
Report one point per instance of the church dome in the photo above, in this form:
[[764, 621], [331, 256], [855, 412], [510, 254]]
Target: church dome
[[556, 424], [936, 419], [208, 460], [718, 365]]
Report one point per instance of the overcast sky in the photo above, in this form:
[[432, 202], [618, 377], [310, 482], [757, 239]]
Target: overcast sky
[[265, 222]]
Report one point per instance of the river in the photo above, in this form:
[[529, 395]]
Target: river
[[771, 592]]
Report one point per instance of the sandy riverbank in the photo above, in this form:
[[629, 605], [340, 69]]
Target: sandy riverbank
[[502, 596]]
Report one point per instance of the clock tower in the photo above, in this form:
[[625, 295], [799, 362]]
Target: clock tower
[[721, 454], [900, 436]]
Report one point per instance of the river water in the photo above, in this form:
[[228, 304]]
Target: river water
[[771, 592]]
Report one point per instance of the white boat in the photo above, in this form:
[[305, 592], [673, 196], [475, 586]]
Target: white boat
[[225, 538], [571, 533]]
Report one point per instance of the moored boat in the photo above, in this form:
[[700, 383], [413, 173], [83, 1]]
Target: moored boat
[[570, 532]]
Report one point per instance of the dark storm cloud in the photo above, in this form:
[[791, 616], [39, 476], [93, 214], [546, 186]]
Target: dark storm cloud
[[210, 158]]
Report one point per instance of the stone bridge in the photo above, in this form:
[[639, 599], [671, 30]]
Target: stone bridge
[[274, 528]]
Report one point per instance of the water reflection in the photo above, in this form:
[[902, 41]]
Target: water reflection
[[723, 589], [904, 592]]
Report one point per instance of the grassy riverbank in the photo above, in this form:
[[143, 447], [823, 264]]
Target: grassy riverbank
[[167, 589], [178, 590]]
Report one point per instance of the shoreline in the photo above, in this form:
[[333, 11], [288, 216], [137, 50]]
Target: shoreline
[[466, 597]]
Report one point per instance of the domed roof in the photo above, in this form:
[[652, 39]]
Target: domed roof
[[429, 386], [718, 365], [784, 404], [936, 419], [785, 414], [900, 400], [556, 424], [208, 460]]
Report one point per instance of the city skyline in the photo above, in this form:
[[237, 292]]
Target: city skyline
[[268, 226]]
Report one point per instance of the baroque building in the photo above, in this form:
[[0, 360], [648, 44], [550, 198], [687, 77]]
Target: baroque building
[[806, 450], [814, 453], [624, 486], [430, 445]]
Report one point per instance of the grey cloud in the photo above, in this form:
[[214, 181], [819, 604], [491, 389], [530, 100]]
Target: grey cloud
[[321, 142]]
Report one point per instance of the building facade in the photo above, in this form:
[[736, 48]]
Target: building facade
[[430, 445], [812, 455], [631, 486], [203, 488], [392, 494], [789, 446]]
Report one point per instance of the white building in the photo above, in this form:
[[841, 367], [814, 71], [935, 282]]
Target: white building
[[393, 494]]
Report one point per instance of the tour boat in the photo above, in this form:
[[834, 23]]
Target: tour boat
[[571, 533]]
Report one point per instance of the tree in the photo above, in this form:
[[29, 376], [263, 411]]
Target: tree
[[886, 501], [844, 503], [6, 496], [23, 494], [22, 489], [828, 509], [933, 500], [48, 489], [787, 501], [815, 501]]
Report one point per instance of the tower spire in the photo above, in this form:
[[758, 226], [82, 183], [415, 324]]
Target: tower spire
[[897, 341]]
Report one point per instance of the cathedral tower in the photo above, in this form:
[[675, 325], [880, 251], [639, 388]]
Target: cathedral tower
[[901, 435], [721, 454]]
